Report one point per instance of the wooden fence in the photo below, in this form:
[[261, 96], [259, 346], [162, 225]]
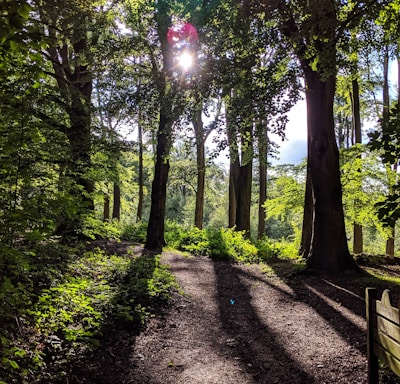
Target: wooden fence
[[383, 334]]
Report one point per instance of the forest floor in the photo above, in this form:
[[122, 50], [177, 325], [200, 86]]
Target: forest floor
[[237, 324]]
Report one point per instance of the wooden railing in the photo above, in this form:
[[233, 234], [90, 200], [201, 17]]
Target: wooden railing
[[383, 334]]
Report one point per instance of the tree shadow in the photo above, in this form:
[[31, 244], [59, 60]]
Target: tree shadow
[[252, 342], [340, 300]]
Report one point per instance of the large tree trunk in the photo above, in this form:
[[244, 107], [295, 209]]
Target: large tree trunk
[[355, 100], [329, 251], [243, 188], [240, 178], [201, 167], [234, 170], [155, 231], [243, 197], [74, 81], [262, 138], [308, 213]]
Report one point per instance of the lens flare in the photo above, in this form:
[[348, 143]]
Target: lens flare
[[185, 60]]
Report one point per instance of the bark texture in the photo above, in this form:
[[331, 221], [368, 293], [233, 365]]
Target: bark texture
[[155, 231], [328, 249]]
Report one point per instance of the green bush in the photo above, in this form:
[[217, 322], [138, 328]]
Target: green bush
[[195, 241], [145, 288], [231, 244], [97, 229], [268, 248], [174, 233], [135, 232]]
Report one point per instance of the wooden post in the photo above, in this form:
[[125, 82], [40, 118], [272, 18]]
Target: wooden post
[[373, 364]]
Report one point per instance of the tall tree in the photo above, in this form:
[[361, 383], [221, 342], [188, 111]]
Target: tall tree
[[167, 91], [312, 30], [69, 32]]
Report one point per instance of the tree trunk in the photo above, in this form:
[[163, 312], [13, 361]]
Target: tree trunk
[[106, 208], [308, 213], [243, 197], [262, 138], [116, 214], [355, 101], [140, 172], [234, 170], [307, 228], [74, 81], [385, 115], [155, 231], [243, 188], [262, 197], [201, 167], [329, 251]]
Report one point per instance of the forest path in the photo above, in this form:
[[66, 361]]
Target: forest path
[[236, 325]]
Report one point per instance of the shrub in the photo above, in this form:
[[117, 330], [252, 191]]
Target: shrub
[[195, 241], [94, 229], [277, 249], [135, 232], [230, 244]]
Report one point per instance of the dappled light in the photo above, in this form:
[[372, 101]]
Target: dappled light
[[150, 230]]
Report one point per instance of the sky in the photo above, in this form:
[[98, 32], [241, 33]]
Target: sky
[[294, 149], [291, 151]]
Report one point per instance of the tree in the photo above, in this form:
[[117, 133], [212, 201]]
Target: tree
[[313, 30], [259, 84], [69, 31], [168, 90]]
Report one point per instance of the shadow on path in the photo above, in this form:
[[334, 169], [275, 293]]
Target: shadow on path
[[259, 350]]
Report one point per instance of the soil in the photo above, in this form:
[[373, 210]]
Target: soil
[[238, 324]]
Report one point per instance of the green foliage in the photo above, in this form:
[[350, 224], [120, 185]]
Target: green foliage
[[94, 228], [66, 302], [231, 244], [284, 206], [145, 287], [174, 233], [135, 232], [386, 141], [284, 250], [228, 244], [220, 244], [195, 241]]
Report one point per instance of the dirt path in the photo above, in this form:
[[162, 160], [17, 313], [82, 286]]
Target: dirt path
[[234, 325]]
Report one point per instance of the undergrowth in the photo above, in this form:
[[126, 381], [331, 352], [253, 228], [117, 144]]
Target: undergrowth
[[56, 313], [222, 244]]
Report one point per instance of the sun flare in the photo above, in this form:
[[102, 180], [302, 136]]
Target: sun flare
[[185, 60]]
